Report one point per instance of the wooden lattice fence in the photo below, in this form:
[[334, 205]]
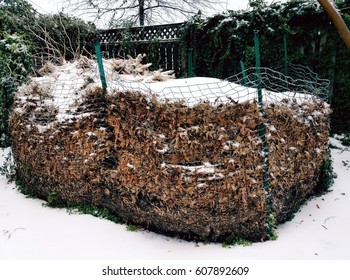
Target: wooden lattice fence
[[160, 43]]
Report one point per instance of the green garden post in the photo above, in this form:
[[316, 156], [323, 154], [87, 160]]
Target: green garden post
[[100, 66], [243, 73], [190, 63], [285, 54], [262, 134], [258, 70]]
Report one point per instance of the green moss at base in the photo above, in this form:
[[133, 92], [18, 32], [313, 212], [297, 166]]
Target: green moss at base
[[132, 227], [327, 175], [232, 241], [272, 226]]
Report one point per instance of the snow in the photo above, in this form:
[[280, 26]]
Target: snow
[[29, 230], [242, 23], [205, 168]]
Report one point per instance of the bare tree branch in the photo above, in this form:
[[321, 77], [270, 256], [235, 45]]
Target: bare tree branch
[[141, 12]]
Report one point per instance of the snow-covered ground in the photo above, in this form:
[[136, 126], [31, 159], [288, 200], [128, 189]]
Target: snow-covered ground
[[29, 230]]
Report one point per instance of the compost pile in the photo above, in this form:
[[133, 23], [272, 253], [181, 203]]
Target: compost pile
[[191, 171]]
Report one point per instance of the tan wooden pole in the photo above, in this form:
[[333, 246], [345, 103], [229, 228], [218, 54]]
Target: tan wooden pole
[[337, 21]]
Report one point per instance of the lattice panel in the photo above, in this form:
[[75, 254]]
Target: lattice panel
[[160, 43], [167, 32]]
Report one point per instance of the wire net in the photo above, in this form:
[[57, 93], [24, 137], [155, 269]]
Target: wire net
[[183, 157]]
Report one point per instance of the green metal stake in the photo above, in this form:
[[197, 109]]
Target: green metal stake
[[262, 134], [190, 63], [243, 72], [258, 71], [285, 54], [100, 66]]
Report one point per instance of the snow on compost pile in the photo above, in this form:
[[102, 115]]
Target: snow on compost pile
[[57, 94]]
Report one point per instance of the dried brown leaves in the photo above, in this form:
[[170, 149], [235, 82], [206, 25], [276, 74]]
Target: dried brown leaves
[[196, 171]]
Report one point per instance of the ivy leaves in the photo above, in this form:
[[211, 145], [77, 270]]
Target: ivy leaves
[[14, 66]]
